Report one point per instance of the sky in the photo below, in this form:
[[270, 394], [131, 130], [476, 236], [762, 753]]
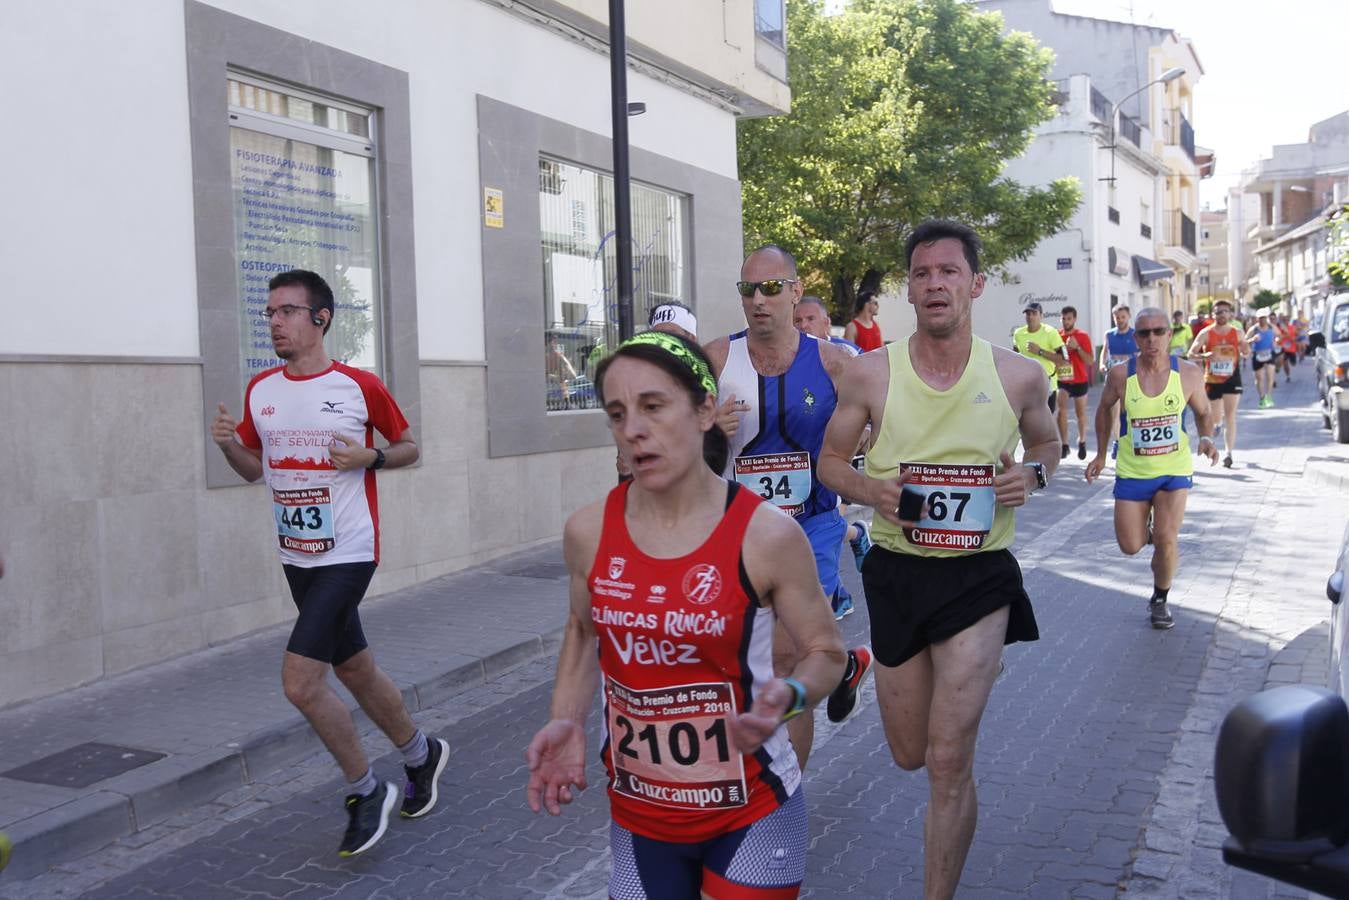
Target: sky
[[1270, 71]]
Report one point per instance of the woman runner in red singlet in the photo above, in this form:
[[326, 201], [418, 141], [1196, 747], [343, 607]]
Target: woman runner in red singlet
[[677, 579]]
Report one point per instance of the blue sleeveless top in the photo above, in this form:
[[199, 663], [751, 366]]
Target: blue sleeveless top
[[776, 450], [1120, 345], [1263, 342]]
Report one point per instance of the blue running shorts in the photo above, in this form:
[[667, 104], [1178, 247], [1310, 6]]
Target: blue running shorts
[[825, 532], [1143, 489], [765, 860]]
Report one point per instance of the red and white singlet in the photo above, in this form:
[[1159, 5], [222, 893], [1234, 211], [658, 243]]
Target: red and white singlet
[[322, 516], [683, 644]]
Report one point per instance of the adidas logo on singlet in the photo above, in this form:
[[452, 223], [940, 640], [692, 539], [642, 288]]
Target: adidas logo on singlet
[[981, 397]]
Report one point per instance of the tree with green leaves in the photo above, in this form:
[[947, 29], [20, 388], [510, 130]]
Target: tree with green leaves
[[1339, 248], [902, 110], [1265, 298]]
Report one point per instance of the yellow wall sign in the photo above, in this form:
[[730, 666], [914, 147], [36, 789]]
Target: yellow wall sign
[[493, 208]]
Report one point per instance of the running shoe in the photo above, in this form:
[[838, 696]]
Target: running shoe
[[1160, 615], [842, 605], [1227, 461], [369, 818], [1063, 454], [419, 794], [1081, 449], [860, 544], [847, 697]]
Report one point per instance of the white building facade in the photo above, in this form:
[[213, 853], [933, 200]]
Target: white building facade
[[1125, 63], [1104, 257], [443, 165]]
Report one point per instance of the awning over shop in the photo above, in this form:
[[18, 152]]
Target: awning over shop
[[1149, 270]]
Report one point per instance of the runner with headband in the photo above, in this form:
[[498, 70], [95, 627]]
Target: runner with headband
[[677, 580]]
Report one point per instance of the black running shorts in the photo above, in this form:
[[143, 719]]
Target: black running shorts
[[1053, 400], [1230, 386], [916, 601], [328, 627], [1075, 390]]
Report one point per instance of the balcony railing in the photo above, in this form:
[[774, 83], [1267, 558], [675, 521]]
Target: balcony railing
[[1100, 106], [1130, 130], [1180, 132], [1187, 137], [1059, 92], [1180, 231]]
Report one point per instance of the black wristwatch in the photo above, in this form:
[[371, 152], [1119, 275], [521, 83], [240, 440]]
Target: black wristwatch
[[1041, 480], [379, 459]]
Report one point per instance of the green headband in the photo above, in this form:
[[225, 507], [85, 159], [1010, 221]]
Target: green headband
[[680, 351]]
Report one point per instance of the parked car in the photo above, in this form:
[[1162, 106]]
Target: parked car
[[1281, 769], [1330, 343]]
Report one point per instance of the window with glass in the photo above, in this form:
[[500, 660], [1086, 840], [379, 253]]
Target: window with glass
[[302, 169], [580, 287], [770, 18]]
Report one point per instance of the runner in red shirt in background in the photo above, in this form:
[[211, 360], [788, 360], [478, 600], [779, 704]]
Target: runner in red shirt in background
[[1074, 380], [677, 579], [864, 330]]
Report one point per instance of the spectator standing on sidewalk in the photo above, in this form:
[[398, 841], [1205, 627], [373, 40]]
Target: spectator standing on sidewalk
[[308, 428]]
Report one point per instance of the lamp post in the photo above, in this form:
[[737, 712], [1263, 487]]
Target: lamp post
[[1168, 76], [618, 85]]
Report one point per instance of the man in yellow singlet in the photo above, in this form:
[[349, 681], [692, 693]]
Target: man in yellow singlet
[[1153, 471], [943, 590]]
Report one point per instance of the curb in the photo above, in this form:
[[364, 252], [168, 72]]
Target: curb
[[139, 799], [1331, 474]]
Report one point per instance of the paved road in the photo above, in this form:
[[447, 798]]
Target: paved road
[[1093, 765]]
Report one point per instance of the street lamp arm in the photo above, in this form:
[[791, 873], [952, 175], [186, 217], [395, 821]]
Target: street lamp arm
[[1167, 76]]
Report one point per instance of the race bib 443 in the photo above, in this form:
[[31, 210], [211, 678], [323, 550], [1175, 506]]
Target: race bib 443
[[958, 505], [304, 519], [670, 746]]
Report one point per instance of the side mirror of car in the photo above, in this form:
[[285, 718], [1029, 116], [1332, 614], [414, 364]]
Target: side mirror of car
[[1335, 586], [1281, 771], [1316, 340]]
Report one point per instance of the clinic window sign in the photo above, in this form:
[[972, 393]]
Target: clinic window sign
[[302, 174]]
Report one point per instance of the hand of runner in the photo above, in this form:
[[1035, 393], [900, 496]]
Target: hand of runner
[[1209, 449], [556, 758], [884, 499], [750, 729], [1009, 486], [222, 429], [729, 413], [348, 454], [1097, 464]]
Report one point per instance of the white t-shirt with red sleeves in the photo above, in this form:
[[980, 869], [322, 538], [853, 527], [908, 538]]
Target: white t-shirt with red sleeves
[[322, 516]]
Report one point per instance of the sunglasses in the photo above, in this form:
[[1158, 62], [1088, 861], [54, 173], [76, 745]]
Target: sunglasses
[[1152, 332], [770, 288]]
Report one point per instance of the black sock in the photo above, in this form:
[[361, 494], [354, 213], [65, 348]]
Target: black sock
[[1159, 594]]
